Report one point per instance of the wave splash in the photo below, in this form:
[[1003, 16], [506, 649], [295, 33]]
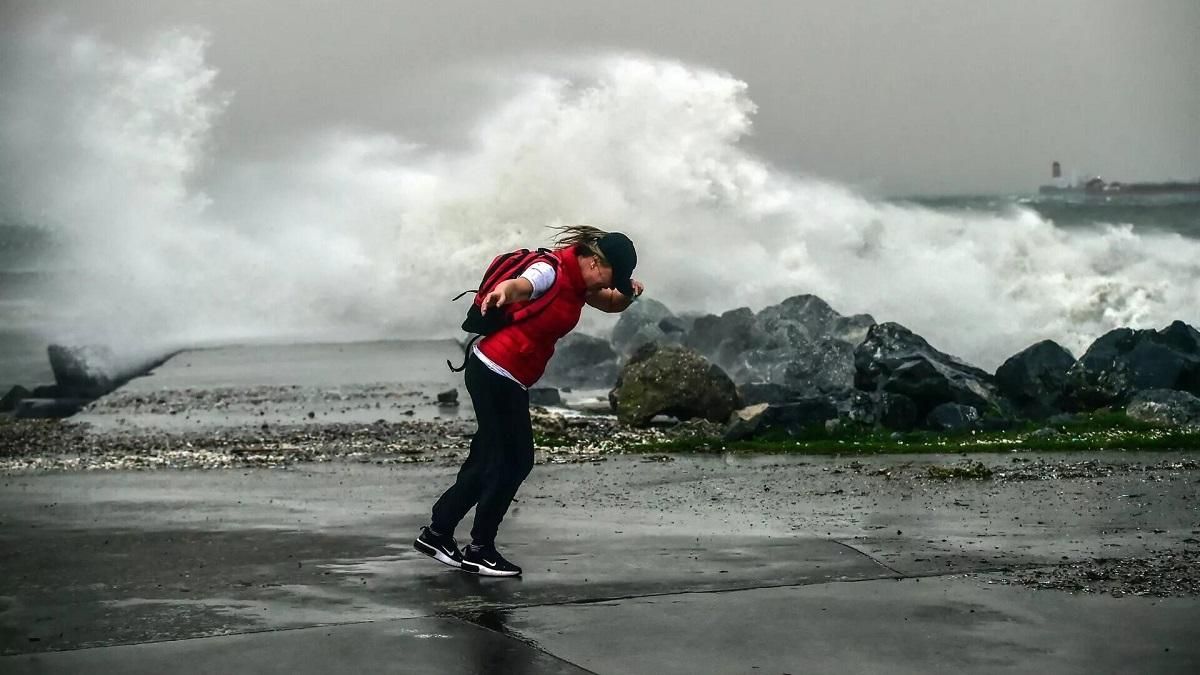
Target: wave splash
[[357, 235]]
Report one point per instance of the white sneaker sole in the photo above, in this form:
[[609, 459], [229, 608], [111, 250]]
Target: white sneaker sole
[[485, 571], [436, 554]]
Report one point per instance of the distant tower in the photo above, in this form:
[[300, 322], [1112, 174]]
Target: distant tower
[[1055, 170]]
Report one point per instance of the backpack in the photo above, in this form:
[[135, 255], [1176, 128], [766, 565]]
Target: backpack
[[502, 268]]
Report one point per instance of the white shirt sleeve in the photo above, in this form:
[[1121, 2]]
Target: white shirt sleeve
[[541, 275]]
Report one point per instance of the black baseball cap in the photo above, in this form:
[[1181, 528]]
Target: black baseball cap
[[618, 251]]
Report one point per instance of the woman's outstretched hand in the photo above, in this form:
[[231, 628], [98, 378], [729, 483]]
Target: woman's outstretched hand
[[506, 293], [496, 298]]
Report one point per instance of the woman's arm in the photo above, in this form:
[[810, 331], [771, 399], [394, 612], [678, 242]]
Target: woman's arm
[[506, 293], [613, 301]]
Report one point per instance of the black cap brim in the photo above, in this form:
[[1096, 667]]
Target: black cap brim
[[625, 286]]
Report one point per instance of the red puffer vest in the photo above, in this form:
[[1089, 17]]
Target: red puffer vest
[[524, 348]]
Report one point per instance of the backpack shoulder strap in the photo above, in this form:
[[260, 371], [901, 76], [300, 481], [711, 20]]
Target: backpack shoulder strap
[[503, 266]]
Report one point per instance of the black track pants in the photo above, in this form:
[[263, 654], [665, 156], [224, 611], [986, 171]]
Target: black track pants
[[501, 455]]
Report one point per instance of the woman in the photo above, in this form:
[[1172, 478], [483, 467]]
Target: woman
[[594, 268]]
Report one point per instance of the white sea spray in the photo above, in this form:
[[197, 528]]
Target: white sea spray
[[359, 235]]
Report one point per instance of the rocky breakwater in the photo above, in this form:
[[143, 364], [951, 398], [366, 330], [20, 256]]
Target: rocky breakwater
[[1125, 362], [792, 364], [800, 365], [1035, 379], [908, 383], [81, 375], [799, 347]]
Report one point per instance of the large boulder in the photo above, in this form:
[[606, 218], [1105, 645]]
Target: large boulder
[[1035, 379], [880, 408], [894, 360], [13, 397], [791, 418], [802, 318], [896, 411], [87, 372], [1125, 361], [1165, 406], [726, 339], [643, 323], [754, 393], [672, 380], [582, 361], [800, 343], [808, 347], [953, 417], [545, 396]]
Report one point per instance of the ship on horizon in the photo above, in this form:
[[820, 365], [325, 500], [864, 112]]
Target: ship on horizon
[[1097, 187]]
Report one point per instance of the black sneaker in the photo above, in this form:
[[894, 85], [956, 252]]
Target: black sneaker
[[440, 547], [486, 560]]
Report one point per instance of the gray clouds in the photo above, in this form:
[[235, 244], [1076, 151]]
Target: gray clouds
[[897, 98]]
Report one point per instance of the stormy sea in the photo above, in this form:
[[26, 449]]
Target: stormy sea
[[126, 220], [36, 306]]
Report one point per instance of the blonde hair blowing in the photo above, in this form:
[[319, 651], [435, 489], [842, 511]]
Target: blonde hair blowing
[[584, 236]]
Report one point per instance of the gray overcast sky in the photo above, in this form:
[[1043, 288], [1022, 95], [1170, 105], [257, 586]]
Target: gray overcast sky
[[894, 97]]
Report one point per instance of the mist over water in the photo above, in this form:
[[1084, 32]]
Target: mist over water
[[164, 242]]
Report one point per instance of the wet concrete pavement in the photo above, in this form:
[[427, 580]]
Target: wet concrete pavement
[[674, 564], [633, 564]]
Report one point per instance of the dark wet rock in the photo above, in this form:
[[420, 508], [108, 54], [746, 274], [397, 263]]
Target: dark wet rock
[[806, 317], [954, 417], [746, 422], [640, 324], [1035, 379], [583, 361], [860, 408], [800, 343], [545, 396], [448, 397], [48, 408], [796, 417], [994, 423], [48, 391], [725, 339], [897, 411], [14, 396], [793, 418], [882, 409], [1125, 361], [1165, 406], [804, 344], [895, 360], [674, 324], [672, 380], [767, 392], [89, 369]]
